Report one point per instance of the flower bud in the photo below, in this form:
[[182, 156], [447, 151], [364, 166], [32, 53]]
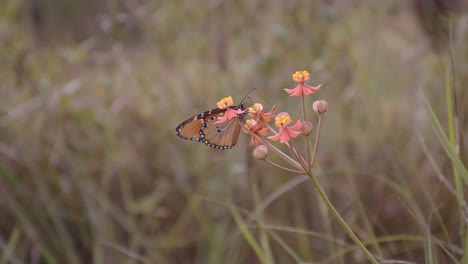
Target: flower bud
[[320, 106], [306, 128], [260, 152]]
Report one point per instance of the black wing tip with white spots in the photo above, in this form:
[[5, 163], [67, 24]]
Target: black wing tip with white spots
[[201, 139]]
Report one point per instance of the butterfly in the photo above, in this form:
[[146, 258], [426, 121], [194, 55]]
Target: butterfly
[[203, 128]]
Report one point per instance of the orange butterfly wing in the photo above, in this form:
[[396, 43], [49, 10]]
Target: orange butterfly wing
[[203, 128]]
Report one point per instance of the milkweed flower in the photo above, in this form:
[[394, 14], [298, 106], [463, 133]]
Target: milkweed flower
[[230, 113], [282, 120], [255, 109], [302, 88], [257, 129], [262, 118]]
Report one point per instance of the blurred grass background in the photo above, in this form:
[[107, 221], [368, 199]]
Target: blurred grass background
[[91, 91]]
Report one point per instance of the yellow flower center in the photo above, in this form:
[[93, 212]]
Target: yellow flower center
[[256, 108], [225, 102], [250, 123], [282, 119], [301, 76]]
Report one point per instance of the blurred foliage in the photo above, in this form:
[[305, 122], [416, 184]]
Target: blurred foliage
[[91, 91]]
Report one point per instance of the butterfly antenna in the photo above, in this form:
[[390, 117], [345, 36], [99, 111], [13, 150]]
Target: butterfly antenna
[[247, 95]]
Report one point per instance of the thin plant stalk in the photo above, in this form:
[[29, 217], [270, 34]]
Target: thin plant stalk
[[297, 160], [273, 148], [306, 138], [330, 206], [340, 219], [284, 168], [317, 186], [317, 137]]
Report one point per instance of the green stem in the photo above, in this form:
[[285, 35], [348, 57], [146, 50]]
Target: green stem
[[272, 148], [340, 219], [319, 125], [303, 109], [306, 137], [330, 205], [298, 156], [284, 168]]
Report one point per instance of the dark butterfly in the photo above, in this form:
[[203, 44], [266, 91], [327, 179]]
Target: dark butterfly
[[202, 128]]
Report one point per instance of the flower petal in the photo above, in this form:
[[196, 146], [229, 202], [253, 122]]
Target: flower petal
[[293, 133], [307, 89], [296, 91], [238, 111], [296, 126], [276, 137], [251, 143], [284, 136], [228, 115], [267, 117], [264, 131]]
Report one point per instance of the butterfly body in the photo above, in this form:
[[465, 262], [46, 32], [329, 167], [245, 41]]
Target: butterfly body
[[203, 128]]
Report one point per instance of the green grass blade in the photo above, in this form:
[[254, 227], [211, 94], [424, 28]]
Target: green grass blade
[[247, 234], [285, 246], [264, 241], [448, 147], [450, 97], [9, 249]]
